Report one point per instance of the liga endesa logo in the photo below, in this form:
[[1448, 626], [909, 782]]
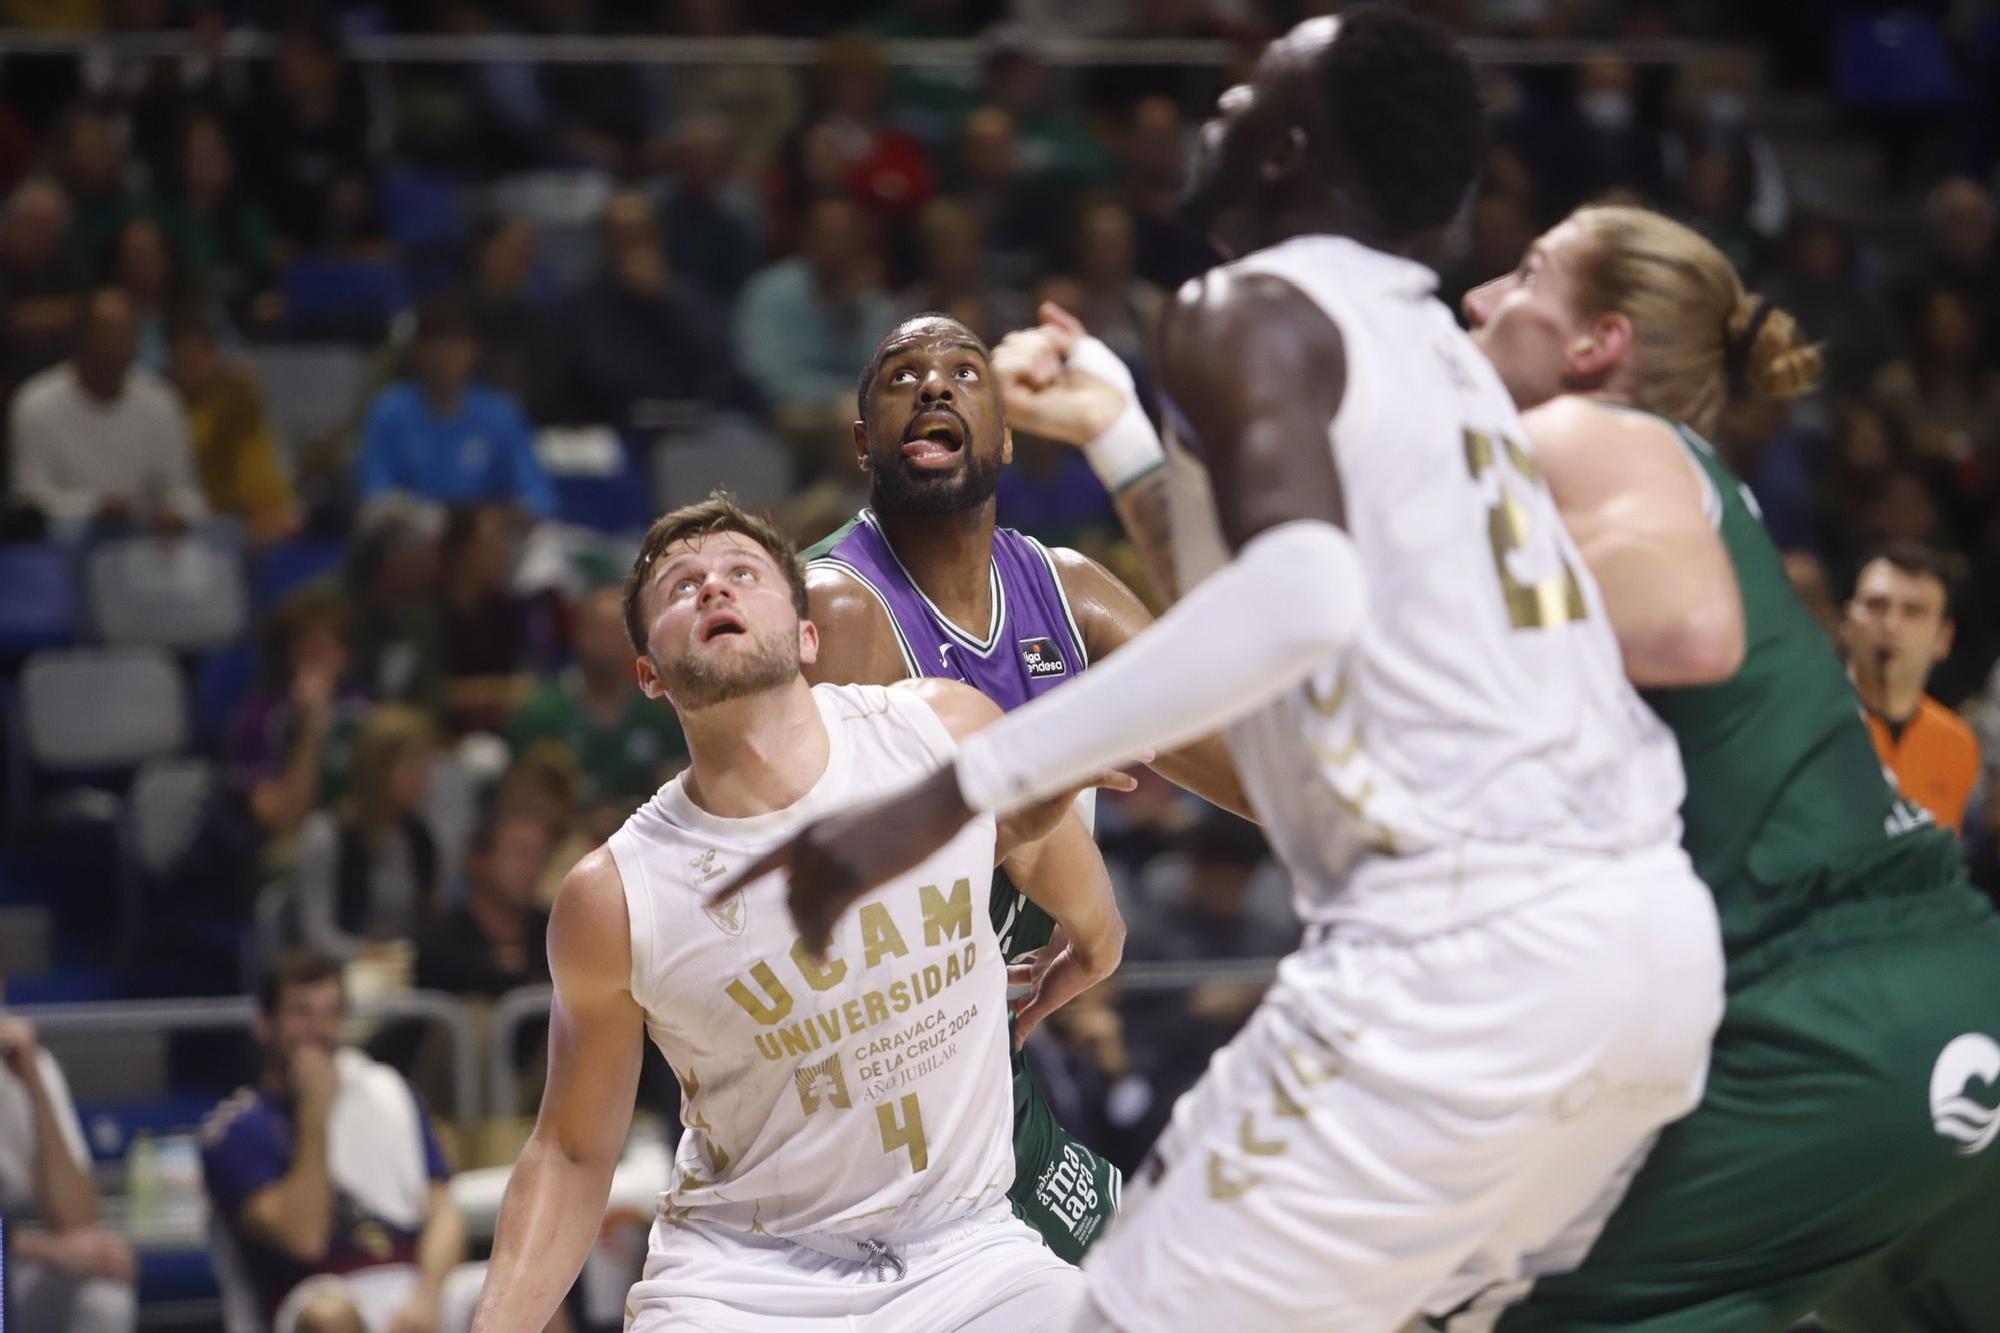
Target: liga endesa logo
[[1043, 658], [1957, 1111]]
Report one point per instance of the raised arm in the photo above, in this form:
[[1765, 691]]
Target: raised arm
[[555, 1201], [1642, 517], [1061, 384]]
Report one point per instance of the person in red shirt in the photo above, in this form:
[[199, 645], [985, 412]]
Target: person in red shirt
[[1897, 628]]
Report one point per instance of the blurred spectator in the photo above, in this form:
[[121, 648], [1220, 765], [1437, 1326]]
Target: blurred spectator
[[290, 742], [1013, 210], [328, 1183], [542, 782], [1820, 282], [625, 744], [505, 306], [392, 581], [1601, 140], [1215, 913], [1715, 201], [567, 113], [307, 150], [1713, 121], [1959, 250], [1762, 445], [1053, 139], [1213, 916], [497, 938], [367, 871], [97, 436], [1082, 1064], [485, 624], [760, 103], [236, 450], [445, 438], [634, 336], [953, 277], [144, 269], [807, 324], [1806, 573], [222, 237], [710, 216], [66, 1274], [1943, 396], [89, 161], [881, 167], [40, 286], [1501, 232], [1115, 303], [1898, 628], [1156, 148]]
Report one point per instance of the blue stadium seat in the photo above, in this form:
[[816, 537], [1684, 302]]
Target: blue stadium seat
[[357, 296], [41, 608], [222, 678], [1893, 59], [288, 564]]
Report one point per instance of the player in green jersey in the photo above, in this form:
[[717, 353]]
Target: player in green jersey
[[1850, 1093]]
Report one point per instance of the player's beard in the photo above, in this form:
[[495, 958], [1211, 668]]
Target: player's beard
[[694, 683], [894, 489]]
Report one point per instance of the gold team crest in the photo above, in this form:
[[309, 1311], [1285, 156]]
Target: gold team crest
[[727, 914], [822, 1082]]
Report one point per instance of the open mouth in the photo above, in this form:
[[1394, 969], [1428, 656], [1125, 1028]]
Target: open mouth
[[934, 437], [722, 624]]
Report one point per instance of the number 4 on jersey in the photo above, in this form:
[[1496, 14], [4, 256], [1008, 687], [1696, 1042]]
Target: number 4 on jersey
[[1553, 600], [905, 1130]]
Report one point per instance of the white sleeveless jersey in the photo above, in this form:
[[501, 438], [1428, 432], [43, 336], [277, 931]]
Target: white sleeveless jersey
[[1481, 732], [863, 1098]]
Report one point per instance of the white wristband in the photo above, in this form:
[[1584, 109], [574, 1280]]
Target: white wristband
[[1129, 448]]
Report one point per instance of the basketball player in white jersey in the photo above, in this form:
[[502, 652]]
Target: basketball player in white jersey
[[849, 1138], [1510, 973]]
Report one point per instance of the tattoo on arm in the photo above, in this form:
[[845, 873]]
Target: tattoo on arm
[[1143, 510]]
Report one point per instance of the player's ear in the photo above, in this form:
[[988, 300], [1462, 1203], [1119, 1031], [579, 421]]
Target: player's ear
[[1006, 444], [1285, 155], [808, 643], [1947, 631], [861, 444], [648, 677], [1598, 351]]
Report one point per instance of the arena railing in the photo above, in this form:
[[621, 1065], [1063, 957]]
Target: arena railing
[[240, 1012], [419, 48], [531, 1003]]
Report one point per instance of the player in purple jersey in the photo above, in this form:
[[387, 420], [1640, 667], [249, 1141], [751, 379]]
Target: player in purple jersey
[[924, 583]]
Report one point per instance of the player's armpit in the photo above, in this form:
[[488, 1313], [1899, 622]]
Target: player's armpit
[[857, 645]]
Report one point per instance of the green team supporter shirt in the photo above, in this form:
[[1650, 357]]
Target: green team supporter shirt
[[620, 762], [1788, 811]]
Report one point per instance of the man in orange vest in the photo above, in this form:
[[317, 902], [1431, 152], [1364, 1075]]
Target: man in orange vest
[[1898, 627]]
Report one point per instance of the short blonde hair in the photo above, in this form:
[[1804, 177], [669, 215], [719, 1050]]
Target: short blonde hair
[[1689, 314]]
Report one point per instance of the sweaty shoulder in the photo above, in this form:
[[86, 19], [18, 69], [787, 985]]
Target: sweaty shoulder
[[857, 645], [1593, 453], [590, 933], [1231, 319]]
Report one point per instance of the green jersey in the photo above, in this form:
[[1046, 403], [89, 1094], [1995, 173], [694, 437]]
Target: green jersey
[[1788, 810]]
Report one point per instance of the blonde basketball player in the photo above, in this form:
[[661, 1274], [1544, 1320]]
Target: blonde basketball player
[[1510, 972], [849, 1138]]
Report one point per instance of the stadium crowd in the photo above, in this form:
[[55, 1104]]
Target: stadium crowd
[[417, 347]]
